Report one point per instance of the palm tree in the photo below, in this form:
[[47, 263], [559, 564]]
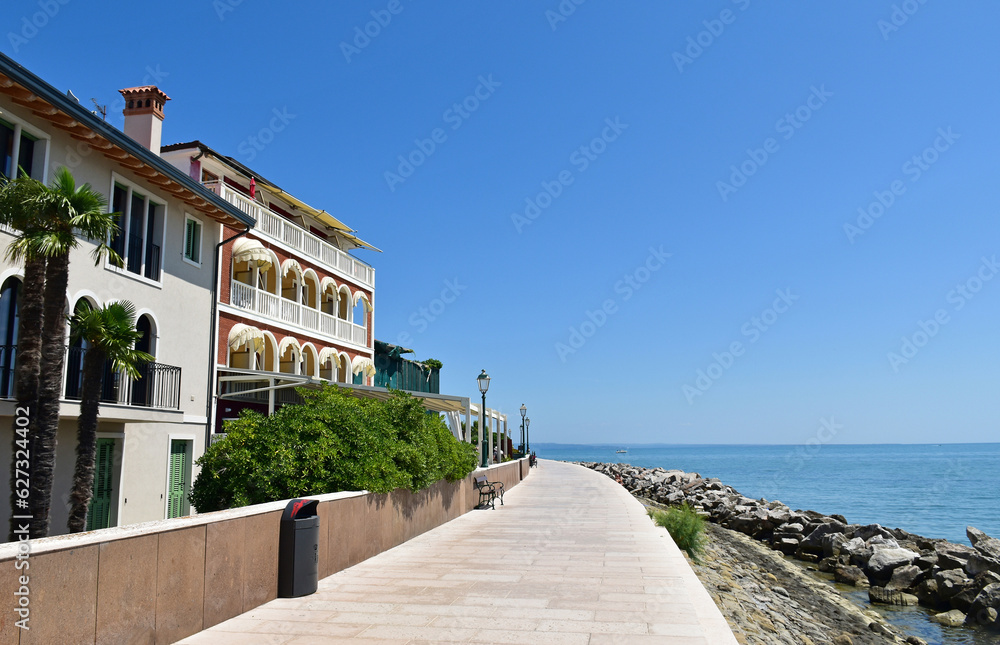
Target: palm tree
[[111, 334], [19, 212], [46, 220]]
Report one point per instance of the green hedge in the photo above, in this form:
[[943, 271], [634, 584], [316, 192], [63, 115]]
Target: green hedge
[[333, 442]]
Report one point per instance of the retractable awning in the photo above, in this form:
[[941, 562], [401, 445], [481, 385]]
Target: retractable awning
[[247, 250], [241, 335]]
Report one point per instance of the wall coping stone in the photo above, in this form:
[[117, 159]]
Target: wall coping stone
[[8, 550]]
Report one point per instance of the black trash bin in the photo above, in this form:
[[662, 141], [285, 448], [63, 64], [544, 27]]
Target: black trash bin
[[298, 549]]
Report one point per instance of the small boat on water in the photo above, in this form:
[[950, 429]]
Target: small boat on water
[[621, 452]]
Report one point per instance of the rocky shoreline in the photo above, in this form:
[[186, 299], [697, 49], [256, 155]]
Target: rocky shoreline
[[960, 583]]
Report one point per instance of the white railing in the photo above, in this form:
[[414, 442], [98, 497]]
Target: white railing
[[290, 234], [271, 306]]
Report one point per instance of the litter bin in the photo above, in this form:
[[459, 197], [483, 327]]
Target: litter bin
[[298, 549]]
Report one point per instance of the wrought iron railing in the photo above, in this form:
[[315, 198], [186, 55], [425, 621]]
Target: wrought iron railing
[[158, 385], [153, 262], [134, 264]]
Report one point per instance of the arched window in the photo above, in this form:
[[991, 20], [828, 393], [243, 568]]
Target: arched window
[[10, 295], [142, 388]]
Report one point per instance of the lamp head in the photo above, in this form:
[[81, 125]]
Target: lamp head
[[484, 381], [524, 410]]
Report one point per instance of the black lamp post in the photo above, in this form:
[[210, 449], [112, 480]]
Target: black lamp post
[[527, 435], [484, 384], [524, 411]]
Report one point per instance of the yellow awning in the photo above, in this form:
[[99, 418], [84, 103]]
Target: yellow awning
[[247, 250], [241, 335]]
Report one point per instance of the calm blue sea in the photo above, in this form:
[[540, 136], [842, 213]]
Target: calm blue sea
[[931, 490]]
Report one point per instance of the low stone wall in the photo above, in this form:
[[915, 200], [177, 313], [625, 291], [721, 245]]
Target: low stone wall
[[162, 581]]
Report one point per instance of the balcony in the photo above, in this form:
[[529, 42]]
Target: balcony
[[158, 386], [295, 237], [268, 305]]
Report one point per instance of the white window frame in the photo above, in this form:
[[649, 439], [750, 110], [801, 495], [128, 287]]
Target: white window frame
[[201, 237], [150, 195], [21, 126]]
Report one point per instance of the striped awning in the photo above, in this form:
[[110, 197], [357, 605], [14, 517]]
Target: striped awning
[[291, 265], [247, 250], [289, 341], [363, 364], [241, 335], [326, 354]]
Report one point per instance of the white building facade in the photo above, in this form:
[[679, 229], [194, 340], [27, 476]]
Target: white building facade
[[153, 429]]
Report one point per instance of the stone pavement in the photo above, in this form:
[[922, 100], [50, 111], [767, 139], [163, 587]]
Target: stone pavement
[[570, 558]]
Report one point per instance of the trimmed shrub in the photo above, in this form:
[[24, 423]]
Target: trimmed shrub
[[685, 526], [333, 442]]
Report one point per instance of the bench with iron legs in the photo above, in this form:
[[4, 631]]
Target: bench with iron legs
[[489, 492]]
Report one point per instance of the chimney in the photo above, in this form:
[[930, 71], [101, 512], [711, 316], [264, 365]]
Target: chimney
[[144, 115]]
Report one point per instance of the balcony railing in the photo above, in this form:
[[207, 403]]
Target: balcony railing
[[158, 385], [277, 227], [271, 306]]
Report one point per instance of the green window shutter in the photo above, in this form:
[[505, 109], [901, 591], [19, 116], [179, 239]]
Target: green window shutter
[[99, 513], [177, 492], [189, 240]]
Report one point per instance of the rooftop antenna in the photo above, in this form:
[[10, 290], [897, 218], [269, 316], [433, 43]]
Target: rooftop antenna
[[101, 109]]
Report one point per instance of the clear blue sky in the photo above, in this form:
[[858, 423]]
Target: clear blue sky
[[840, 97]]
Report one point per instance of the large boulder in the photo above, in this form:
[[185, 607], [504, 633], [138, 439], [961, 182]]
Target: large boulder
[[979, 563], [953, 556], [951, 582], [985, 609], [879, 543], [871, 530], [884, 562], [813, 542], [929, 595], [953, 618], [968, 595], [852, 546], [850, 576], [986, 545], [832, 542], [905, 577], [883, 596]]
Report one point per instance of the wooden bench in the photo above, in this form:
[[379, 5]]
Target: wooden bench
[[489, 492]]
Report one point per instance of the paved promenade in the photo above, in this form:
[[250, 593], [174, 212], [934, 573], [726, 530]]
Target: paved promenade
[[570, 558]]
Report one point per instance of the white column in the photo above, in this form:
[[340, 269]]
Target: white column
[[489, 431]]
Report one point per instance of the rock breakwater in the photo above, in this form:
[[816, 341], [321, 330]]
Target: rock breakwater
[[959, 582]]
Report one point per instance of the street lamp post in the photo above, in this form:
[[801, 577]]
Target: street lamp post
[[524, 411], [527, 435], [484, 384]]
